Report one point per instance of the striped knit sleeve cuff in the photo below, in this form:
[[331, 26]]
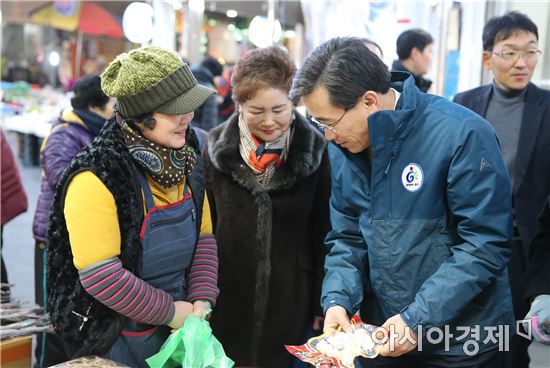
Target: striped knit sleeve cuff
[[203, 274], [119, 289]]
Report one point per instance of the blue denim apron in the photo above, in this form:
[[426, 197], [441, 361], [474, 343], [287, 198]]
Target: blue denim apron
[[168, 237]]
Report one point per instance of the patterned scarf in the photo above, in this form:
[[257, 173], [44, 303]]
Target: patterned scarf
[[263, 157], [166, 166]]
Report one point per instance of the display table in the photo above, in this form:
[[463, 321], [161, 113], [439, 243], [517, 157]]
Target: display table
[[16, 352], [34, 123], [31, 129], [30, 112], [91, 361]]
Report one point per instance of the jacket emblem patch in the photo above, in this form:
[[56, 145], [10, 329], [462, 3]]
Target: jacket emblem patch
[[412, 177]]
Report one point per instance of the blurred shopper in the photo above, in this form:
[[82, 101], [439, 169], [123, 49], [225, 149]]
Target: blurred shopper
[[414, 49], [14, 202], [269, 182], [519, 111], [227, 107], [414, 216], [374, 47], [130, 247], [19, 71], [206, 116], [71, 132], [537, 280]]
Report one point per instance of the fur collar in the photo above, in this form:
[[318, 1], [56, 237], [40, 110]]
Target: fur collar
[[304, 156]]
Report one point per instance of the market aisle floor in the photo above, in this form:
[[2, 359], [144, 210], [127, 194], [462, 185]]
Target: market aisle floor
[[19, 251]]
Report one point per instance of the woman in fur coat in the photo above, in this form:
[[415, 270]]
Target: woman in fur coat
[[268, 181]]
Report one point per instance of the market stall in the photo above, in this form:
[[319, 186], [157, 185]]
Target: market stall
[[18, 322], [28, 110]]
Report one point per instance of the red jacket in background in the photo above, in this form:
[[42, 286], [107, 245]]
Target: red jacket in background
[[14, 198]]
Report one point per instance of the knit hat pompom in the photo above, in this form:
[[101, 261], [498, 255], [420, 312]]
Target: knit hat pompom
[[135, 71], [152, 79]]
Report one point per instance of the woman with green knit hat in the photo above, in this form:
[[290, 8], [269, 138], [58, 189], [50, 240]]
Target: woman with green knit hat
[[130, 247]]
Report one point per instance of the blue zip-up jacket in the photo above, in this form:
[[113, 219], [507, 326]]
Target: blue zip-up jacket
[[428, 221]]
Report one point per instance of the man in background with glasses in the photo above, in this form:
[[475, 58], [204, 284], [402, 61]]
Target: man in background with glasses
[[519, 111], [421, 210]]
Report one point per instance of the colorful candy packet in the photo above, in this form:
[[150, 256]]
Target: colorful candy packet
[[339, 349]]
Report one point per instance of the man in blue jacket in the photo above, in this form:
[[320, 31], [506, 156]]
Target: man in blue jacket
[[420, 212]]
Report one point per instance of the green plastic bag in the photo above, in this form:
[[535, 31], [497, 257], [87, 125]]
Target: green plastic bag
[[192, 346]]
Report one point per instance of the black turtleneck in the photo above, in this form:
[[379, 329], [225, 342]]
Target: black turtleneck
[[504, 112]]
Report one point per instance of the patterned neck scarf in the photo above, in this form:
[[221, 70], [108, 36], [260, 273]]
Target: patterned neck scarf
[[263, 157], [166, 166]]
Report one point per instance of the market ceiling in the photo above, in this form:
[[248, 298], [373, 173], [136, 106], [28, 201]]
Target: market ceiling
[[288, 12]]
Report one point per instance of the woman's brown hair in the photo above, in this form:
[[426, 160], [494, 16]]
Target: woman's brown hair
[[270, 67]]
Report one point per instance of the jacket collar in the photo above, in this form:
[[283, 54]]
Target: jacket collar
[[84, 119], [93, 121], [392, 124], [480, 105], [68, 116], [304, 155]]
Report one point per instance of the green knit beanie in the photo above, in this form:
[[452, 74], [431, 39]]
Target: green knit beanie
[[152, 79]]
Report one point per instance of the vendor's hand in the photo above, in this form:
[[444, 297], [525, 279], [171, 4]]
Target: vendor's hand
[[400, 329], [202, 308], [183, 310], [335, 317], [317, 323], [539, 314]]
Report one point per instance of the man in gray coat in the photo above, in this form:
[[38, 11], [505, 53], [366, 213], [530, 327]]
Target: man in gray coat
[[520, 113]]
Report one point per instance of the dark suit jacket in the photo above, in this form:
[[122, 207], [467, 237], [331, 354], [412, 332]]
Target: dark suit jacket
[[532, 170], [537, 279]]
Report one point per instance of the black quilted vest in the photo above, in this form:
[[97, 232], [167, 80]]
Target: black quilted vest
[[109, 159]]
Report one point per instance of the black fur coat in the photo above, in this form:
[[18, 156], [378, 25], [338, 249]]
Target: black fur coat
[[271, 244]]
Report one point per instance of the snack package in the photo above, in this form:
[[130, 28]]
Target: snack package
[[340, 348]]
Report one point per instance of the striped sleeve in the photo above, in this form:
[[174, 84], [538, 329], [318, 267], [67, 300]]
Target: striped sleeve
[[122, 291], [203, 274]]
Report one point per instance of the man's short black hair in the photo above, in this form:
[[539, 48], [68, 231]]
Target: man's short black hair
[[500, 28], [410, 39], [346, 68]]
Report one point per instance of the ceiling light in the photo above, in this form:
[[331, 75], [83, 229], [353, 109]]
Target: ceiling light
[[53, 58], [137, 22], [196, 6], [262, 33]]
